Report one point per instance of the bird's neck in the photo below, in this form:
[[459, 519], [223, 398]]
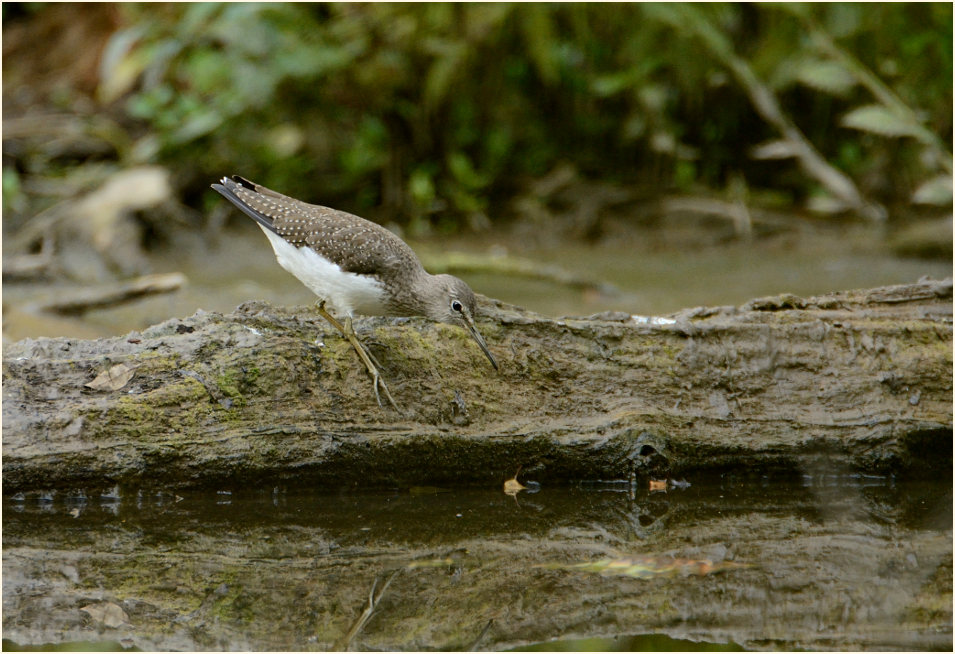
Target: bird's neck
[[414, 296]]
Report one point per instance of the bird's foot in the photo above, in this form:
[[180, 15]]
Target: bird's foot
[[378, 380], [366, 357]]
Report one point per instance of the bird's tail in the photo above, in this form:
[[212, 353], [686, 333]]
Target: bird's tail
[[228, 188]]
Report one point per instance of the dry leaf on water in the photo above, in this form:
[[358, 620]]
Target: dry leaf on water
[[107, 613], [113, 379], [656, 485], [512, 486]]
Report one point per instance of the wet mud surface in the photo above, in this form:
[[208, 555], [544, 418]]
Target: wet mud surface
[[815, 561]]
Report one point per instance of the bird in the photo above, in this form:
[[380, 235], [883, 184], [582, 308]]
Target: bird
[[354, 266]]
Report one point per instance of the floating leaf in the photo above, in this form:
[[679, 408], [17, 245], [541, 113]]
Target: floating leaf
[[512, 486], [880, 120], [113, 379], [109, 614], [643, 567], [658, 485]]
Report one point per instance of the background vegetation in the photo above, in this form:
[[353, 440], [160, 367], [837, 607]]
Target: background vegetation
[[431, 114]]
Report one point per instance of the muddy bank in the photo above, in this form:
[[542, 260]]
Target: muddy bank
[[820, 564], [273, 396]]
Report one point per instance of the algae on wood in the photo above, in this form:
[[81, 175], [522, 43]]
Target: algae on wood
[[270, 395]]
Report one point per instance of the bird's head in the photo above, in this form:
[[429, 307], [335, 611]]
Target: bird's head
[[452, 301]]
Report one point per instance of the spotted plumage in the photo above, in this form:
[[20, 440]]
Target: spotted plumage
[[354, 265]]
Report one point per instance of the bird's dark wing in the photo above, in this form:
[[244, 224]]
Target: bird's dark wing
[[355, 244]]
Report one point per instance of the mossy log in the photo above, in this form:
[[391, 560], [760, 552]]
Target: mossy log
[[268, 395]]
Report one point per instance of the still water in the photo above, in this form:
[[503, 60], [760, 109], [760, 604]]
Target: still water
[[638, 275], [727, 563]]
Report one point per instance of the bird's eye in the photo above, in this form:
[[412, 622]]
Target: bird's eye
[[456, 305]]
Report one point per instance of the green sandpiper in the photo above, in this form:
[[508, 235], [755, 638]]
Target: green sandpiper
[[354, 266]]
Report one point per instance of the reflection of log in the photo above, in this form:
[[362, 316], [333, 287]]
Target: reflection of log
[[860, 378], [276, 571]]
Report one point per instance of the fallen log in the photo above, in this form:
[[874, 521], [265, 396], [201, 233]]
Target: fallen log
[[857, 379]]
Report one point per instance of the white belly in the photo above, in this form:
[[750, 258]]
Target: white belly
[[344, 292]]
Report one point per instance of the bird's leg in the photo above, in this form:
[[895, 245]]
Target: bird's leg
[[349, 332], [369, 360]]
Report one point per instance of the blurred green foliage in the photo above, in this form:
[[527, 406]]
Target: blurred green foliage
[[431, 111]]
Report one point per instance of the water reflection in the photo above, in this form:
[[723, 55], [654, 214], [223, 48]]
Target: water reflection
[[641, 643], [820, 561], [432, 515]]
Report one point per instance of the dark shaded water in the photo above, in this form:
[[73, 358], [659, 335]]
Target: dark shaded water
[[824, 561]]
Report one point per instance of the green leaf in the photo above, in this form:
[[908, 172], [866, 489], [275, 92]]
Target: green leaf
[[13, 196], [828, 76], [611, 84], [196, 125], [368, 150], [878, 119], [443, 71], [117, 70], [464, 171], [538, 31], [421, 188]]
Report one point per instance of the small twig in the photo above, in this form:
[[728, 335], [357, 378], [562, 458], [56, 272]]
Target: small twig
[[373, 601], [215, 394], [110, 295], [23, 266], [487, 627]]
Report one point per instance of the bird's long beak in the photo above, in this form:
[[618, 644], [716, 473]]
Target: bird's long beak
[[469, 323]]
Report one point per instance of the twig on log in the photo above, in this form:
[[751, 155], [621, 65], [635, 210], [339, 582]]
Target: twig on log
[[480, 637]]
